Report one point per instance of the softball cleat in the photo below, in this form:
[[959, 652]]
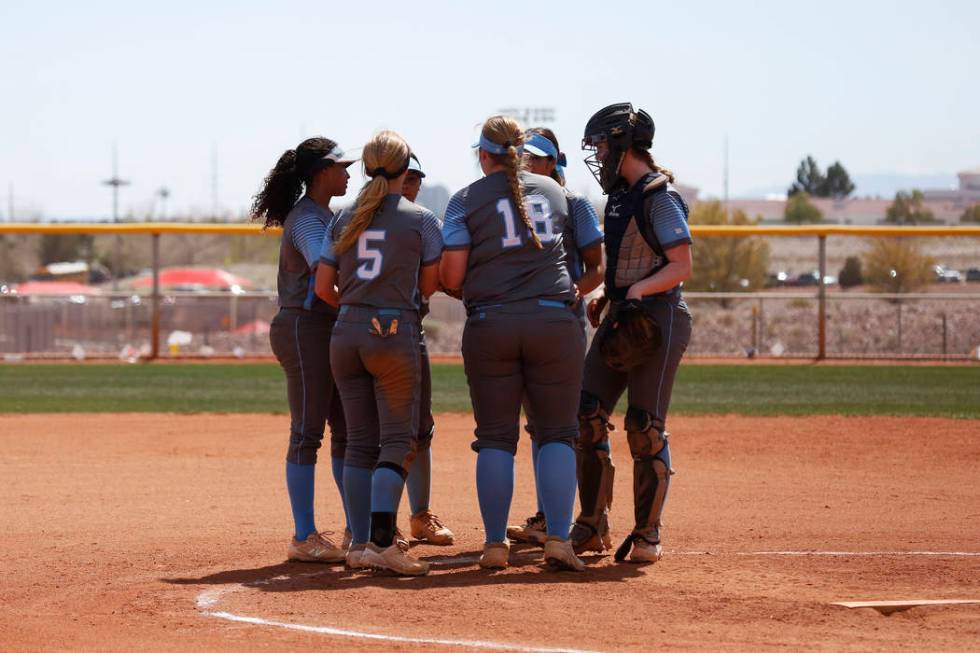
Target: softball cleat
[[427, 526], [354, 555], [400, 540], [644, 551], [394, 560], [495, 555], [533, 531], [315, 548], [559, 555], [348, 538]]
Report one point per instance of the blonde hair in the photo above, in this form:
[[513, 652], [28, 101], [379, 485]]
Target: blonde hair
[[505, 131], [385, 157]]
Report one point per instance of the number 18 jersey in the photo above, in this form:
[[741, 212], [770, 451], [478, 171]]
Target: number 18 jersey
[[382, 268], [504, 265]]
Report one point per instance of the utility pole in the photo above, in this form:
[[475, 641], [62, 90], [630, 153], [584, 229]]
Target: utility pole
[[115, 182], [163, 194], [725, 174]]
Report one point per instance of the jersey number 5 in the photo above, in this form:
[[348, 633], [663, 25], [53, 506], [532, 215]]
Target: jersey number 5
[[370, 258], [538, 208]]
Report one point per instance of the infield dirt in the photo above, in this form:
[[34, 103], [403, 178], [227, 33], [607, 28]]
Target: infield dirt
[[114, 525]]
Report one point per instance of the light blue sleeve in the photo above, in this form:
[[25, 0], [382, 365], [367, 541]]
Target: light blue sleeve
[[431, 238], [326, 250], [307, 236], [669, 219], [455, 234], [585, 221]]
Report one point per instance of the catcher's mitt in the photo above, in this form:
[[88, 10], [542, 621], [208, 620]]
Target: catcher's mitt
[[631, 336]]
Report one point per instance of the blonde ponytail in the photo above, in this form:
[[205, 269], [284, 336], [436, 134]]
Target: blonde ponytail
[[385, 157], [507, 132]]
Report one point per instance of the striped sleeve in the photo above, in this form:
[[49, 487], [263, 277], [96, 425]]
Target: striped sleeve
[[455, 234], [668, 216], [585, 221], [326, 250], [307, 236], [431, 238]]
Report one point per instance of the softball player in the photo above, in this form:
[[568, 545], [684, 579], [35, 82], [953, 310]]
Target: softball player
[[383, 255], [503, 236], [583, 245], [424, 524], [648, 257], [300, 332]]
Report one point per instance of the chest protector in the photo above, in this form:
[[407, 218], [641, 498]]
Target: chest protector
[[634, 252]]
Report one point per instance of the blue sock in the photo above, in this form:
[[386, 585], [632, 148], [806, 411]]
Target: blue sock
[[495, 487], [357, 495], [386, 490], [420, 482], [337, 466], [535, 449], [556, 473], [300, 481]]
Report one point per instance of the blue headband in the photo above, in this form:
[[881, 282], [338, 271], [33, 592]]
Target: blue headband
[[539, 145], [493, 148]]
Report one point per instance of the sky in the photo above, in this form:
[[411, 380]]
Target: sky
[[184, 89]]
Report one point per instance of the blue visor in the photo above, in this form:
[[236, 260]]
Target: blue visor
[[493, 148], [538, 145], [414, 165]]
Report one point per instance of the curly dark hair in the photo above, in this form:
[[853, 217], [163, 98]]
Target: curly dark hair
[[284, 183]]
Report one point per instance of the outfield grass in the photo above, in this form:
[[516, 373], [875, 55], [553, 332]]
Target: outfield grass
[[699, 390]]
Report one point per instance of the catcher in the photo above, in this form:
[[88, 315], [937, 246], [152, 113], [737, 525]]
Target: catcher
[[639, 344]]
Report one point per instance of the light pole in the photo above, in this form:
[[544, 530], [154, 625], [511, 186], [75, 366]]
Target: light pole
[[115, 182], [163, 194]]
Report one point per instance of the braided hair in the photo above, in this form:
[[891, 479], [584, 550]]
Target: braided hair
[[507, 132]]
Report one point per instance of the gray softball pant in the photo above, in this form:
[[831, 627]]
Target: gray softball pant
[[532, 349], [377, 374], [300, 340], [650, 384]]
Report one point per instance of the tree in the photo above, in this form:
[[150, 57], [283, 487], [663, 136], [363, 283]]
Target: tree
[[727, 264], [897, 265], [800, 210], [838, 183], [971, 214], [809, 178], [850, 275], [907, 209]]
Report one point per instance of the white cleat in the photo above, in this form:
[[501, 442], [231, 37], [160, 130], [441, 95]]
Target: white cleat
[[393, 559], [315, 548], [495, 555], [560, 555], [644, 551]]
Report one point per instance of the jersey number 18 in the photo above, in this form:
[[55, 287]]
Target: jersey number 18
[[538, 208]]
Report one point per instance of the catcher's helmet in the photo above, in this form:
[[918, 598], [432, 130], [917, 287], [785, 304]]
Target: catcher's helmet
[[621, 128]]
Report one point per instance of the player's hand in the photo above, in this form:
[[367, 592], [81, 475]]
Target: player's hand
[[594, 310], [634, 293]]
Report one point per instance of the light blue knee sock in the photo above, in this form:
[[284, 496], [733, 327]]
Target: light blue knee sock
[[495, 487], [357, 496], [300, 481], [535, 449], [556, 477], [386, 490], [337, 467], [420, 482]]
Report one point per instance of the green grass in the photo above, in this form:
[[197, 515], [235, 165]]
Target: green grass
[[699, 390]]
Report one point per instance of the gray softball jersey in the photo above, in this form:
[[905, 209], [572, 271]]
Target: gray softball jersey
[[299, 249], [382, 268], [504, 265]]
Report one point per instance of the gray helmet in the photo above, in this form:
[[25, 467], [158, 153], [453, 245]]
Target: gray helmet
[[621, 128]]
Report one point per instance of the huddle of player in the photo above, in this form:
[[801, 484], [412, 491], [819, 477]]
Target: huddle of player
[[521, 251]]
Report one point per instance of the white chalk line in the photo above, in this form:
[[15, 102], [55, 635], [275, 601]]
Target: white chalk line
[[208, 599]]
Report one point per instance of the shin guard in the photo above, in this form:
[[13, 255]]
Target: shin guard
[[594, 464], [651, 477]]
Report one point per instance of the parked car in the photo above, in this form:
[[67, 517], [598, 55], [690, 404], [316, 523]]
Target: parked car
[[777, 279], [973, 274]]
